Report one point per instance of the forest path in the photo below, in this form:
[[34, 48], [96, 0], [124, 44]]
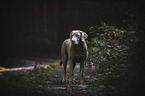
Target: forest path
[[51, 85]]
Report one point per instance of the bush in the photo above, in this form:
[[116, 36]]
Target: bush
[[110, 51]]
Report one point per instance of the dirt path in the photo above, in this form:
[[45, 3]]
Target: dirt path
[[51, 85]]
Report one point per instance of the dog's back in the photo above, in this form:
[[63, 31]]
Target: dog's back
[[64, 51]]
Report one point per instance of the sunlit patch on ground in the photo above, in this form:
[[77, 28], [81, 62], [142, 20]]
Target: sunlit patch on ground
[[17, 69], [2, 68]]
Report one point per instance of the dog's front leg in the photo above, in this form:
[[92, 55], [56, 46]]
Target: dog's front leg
[[81, 72], [70, 71]]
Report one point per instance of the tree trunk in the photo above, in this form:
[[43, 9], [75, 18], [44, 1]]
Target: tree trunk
[[45, 17], [56, 23], [36, 17]]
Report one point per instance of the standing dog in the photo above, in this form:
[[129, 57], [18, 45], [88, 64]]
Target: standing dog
[[75, 51]]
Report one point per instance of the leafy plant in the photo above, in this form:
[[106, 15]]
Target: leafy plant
[[110, 51]]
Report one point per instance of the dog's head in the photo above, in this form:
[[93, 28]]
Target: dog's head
[[78, 36]]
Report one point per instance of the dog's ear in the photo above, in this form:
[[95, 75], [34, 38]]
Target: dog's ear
[[71, 34], [83, 36]]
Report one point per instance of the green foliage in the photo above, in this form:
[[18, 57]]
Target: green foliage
[[20, 81], [111, 51]]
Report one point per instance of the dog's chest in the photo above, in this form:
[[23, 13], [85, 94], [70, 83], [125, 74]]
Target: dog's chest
[[78, 52]]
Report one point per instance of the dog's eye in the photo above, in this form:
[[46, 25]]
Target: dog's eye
[[77, 35]]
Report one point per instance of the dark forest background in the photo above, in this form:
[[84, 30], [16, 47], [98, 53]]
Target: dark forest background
[[38, 27]]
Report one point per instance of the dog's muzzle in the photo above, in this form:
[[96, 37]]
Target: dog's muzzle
[[75, 40]]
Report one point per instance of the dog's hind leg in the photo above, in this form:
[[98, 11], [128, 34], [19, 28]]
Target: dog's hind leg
[[64, 62]]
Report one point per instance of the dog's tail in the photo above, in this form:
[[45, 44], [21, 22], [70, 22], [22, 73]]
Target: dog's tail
[[60, 63]]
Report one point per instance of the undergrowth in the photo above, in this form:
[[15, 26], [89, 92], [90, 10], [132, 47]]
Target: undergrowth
[[20, 81], [111, 50]]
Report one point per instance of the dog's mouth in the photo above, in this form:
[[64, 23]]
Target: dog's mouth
[[75, 42]]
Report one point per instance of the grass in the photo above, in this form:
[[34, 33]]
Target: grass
[[55, 64], [21, 80]]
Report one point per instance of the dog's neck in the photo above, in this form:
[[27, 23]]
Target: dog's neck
[[77, 48]]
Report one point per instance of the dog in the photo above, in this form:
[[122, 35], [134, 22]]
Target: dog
[[74, 50]]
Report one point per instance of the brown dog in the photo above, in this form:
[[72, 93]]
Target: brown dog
[[75, 51]]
